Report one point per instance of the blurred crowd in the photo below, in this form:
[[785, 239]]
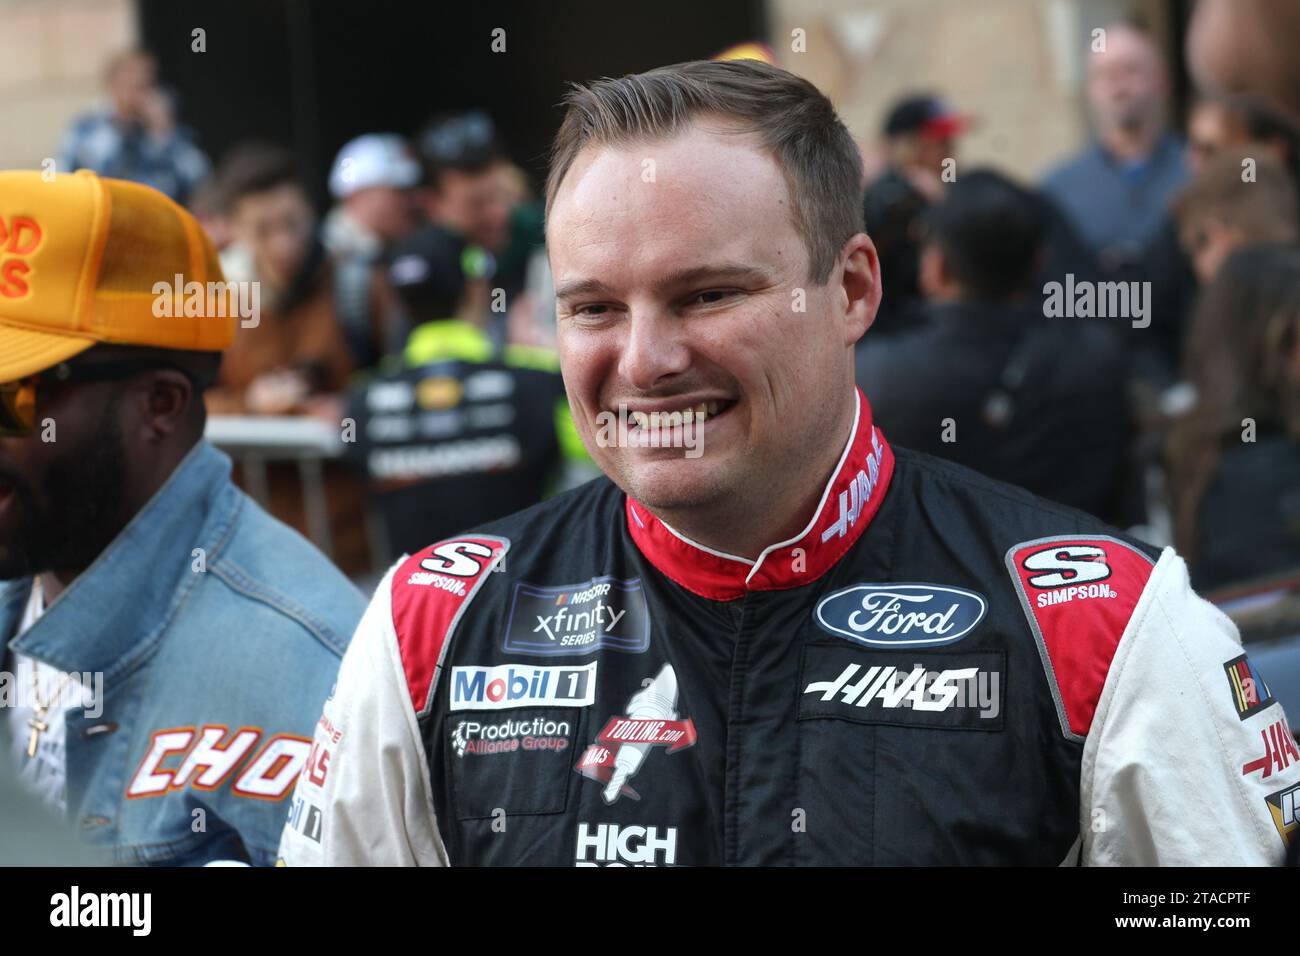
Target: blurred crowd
[[413, 316], [1120, 336]]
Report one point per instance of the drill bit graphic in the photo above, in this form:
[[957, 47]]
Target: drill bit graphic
[[621, 748]]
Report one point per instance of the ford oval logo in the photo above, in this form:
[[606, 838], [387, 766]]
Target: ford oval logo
[[901, 615]]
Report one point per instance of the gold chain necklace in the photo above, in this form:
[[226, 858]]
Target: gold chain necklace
[[37, 721]]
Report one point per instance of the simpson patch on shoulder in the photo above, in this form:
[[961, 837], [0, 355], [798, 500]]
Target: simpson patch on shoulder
[[431, 591], [1078, 593]]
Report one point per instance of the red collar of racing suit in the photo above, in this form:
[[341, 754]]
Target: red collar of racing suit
[[849, 501]]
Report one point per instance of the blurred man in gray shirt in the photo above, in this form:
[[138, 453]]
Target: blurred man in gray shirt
[[1116, 193], [1117, 190]]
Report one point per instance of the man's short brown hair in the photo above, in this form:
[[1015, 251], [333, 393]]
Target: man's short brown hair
[[793, 119]]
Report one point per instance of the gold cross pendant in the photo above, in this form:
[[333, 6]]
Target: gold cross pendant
[[38, 727]]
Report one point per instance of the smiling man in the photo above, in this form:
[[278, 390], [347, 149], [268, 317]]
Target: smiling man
[[800, 646]]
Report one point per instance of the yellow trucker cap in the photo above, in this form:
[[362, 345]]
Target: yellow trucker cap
[[81, 259]]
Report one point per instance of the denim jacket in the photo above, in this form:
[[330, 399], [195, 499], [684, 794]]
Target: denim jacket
[[218, 632]]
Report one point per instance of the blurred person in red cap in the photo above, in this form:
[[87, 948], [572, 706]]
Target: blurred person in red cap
[[920, 132], [148, 606], [135, 135]]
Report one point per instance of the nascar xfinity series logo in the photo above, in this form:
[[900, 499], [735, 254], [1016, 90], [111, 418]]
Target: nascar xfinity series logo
[[622, 746], [578, 618], [510, 685], [901, 615]]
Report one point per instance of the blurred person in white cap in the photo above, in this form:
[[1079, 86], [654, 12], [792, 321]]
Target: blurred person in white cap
[[372, 182]]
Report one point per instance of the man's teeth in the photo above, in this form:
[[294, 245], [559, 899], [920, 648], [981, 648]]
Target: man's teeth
[[698, 413]]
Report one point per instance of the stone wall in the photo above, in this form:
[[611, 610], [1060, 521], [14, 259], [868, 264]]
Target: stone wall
[[52, 57], [1014, 65]]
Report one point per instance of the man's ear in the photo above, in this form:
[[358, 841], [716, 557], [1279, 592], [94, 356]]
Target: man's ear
[[860, 287], [164, 400]]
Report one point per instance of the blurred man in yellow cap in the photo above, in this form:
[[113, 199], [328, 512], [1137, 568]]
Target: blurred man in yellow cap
[[168, 643]]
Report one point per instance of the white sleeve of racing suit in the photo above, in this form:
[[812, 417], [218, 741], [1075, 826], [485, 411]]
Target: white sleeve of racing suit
[[364, 798], [1171, 772]]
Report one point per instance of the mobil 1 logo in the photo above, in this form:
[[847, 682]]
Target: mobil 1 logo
[[603, 613]]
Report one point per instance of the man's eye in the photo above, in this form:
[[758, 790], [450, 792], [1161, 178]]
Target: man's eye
[[590, 311], [712, 295]]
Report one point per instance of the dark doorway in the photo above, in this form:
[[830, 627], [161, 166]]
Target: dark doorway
[[311, 74]]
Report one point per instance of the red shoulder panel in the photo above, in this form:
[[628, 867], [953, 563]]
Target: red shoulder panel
[[431, 590], [1078, 592]]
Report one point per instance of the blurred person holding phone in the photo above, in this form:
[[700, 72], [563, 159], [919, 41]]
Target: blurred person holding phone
[[135, 136], [294, 351], [293, 357]]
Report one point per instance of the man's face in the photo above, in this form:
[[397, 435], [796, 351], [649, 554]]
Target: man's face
[[1125, 83], [933, 150], [685, 291], [276, 225], [131, 84], [61, 501], [386, 210], [476, 205]]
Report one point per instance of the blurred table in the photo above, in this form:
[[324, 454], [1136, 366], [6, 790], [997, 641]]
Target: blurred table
[[255, 440]]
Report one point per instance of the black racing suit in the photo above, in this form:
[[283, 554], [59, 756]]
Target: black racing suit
[[940, 669]]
